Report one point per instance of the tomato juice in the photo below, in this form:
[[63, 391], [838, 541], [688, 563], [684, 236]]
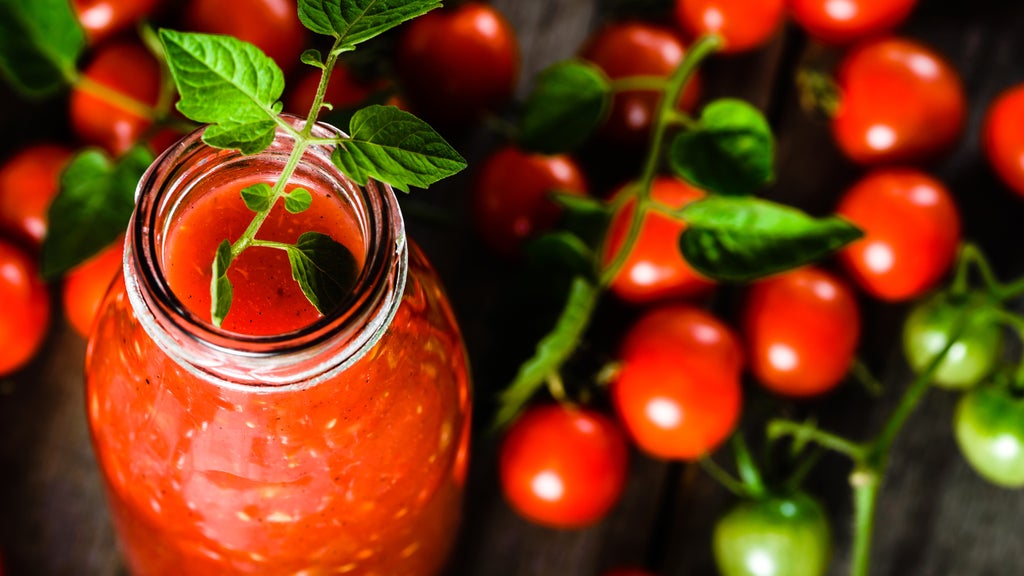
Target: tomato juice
[[285, 442]]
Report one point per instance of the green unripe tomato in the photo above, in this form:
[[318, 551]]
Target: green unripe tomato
[[927, 331], [774, 536], [989, 426]]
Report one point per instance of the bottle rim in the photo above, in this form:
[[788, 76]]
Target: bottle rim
[[298, 358]]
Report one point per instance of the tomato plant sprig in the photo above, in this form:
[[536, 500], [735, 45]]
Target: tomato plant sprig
[[234, 88], [730, 236]]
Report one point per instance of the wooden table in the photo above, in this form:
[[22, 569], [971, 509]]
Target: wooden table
[[935, 515]]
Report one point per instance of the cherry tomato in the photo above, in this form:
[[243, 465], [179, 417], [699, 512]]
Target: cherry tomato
[[1002, 138], [972, 357], [634, 48], [802, 328], [86, 284], [774, 536], [844, 21], [509, 199], [989, 427], [26, 301], [103, 18], [29, 181], [344, 90], [899, 102], [273, 26], [677, 390], [454, 64], [655, 268], [563, 467], [129, 69], [911, 232], [742, 24]]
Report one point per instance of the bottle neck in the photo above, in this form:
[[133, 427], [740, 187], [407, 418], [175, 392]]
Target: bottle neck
[[181, 177]]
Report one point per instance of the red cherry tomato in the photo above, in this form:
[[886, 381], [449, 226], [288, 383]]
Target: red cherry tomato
[[1003, 139], [344, 90], [29, 181], [899, 102], [103, 18], [911, 232], [509, 199], [272, 25], [802, 328], [655, 268], [26, 301], [563, 467], [844, 21], [86, 284], [126, 68], [678, 390], [633, 48], [742, 24], [454, 64]]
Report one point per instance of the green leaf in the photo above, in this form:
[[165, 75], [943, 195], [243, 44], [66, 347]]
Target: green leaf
[[40, 42], [313, 57], [393, 146], [258, 197], [561, 249], [221, 292], [355, 21], [325, 270], [731, 152], [298, 200], [552, 350], [586, 216], [739, 239], [569, 100], [228, 84], [93, 208]]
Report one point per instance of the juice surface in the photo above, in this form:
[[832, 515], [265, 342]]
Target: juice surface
[[358, 474], [266, 298]]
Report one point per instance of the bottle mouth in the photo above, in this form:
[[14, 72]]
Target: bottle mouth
[[185, 172]]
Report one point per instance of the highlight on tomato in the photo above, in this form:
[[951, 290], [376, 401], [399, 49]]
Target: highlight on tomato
[[802, 328], [1002, 139], [86, 284], [510, 197], [127, 68], [742, 24], [101, 19], [989, 428], [776, 535], [273, 26], [911, 230], [655, 269], [26, 300], [930, 326], [457, 63], [900, 102], [563, 466], [677, 389], [634, 48], [29, 181], [845, 21]]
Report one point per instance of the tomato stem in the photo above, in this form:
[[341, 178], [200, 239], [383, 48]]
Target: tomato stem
[[720, 475], [865, 483], [863, 374], [681, 76], [116, 98], [804, 432]]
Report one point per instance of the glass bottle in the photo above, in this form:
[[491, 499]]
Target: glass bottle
[[336, 447]]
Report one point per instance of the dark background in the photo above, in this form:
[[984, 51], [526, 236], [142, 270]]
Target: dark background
[[935, 515]]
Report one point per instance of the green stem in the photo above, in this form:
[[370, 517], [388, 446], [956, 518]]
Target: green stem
[[701, 49], [639, 83], [970, 255], [865, 483], [860, 371], [104, 92], [720, 475], [808, 432]]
